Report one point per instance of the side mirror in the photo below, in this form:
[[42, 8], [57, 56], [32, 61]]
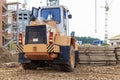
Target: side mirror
[[69, 16]]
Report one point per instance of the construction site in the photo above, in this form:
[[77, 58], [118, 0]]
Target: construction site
[[37, 45]]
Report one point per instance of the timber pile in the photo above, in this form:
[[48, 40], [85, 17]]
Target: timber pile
[[102, 55]]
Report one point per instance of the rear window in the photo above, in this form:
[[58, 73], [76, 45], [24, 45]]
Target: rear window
[[35, 35]]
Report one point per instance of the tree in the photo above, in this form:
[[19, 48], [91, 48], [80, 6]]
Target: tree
[[86, 40]]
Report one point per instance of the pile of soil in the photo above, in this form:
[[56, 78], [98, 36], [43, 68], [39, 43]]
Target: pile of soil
[[6, 56]]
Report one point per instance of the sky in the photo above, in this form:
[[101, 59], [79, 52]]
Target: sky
[[83, 16]]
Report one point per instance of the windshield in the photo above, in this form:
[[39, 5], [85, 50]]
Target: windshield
[[51, 14]]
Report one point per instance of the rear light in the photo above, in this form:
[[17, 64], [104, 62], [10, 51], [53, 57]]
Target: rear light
[[53, 55], [20, 38], [51, 38]]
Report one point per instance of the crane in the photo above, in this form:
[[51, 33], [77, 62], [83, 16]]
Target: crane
[[107, 7], [106, 21]]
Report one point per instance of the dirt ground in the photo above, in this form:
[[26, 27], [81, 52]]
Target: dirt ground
[[10, 70], [81, 72]]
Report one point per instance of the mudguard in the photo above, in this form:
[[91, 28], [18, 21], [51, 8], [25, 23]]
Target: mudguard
[[63, 56], [22, 59]]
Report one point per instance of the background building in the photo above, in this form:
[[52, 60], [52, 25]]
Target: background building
[[115, 40], [4, 24], [8, 23]]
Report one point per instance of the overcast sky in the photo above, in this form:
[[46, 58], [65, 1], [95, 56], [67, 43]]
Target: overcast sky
[[83, 12]]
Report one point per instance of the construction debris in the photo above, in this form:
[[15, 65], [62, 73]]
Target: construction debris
[[6, 56], [102, 55], [117, 54], [10, 65]]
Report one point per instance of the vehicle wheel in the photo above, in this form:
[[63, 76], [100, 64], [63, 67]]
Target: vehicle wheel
[[25, 66], [29, 66], [71, 64]]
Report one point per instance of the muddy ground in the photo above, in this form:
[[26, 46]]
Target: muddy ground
[[81, 72]]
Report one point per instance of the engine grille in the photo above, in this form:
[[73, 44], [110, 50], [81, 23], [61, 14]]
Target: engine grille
[[35, 35]]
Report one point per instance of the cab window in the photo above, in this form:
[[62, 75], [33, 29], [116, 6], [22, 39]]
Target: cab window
[[51, 14]]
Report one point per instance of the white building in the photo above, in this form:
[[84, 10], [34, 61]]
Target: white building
[[115, 40]]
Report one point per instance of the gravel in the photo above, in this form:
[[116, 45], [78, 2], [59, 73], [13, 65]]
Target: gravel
[[81, 72]]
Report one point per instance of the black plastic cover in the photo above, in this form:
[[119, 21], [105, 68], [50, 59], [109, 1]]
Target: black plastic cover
[[35, 35]]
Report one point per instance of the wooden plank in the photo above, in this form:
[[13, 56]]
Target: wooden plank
[[98, 63], [118, 53], [84, 57], [96, 48], [103, 53], [96, 57], [96, 51], [118, 57]]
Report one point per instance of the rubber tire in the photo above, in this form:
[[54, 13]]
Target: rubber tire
[[71, 64], [25, 66], [29, 66]]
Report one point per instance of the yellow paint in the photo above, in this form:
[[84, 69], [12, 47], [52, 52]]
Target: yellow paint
[[51, 23], [56, 48], [38, 56], [76, 47], [39, 48], [36, 22], [62, 40], [31, 48]]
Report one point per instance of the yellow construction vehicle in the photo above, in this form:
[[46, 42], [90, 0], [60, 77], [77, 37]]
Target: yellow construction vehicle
[[47, 40]]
